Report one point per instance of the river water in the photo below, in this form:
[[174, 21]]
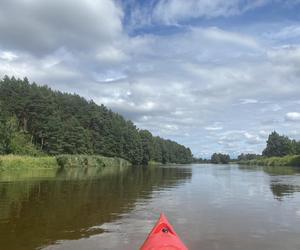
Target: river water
[[211, 207]]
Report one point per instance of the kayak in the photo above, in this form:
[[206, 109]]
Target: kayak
[[163, 237]]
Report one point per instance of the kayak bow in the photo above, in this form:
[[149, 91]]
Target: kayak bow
[[163, 237]]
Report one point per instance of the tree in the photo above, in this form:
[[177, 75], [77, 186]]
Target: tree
[[146, 140], [218, 158], [8, 129], [247, 157], [278, 145], [298, 148]]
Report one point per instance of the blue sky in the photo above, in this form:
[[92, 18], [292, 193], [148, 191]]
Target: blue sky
[[217, 76]]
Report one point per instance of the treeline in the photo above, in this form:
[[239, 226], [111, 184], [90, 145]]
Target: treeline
[[276, 146], [280, 145], [218, 158], [200, 160], [55, 123], [280, 151], [247, 157]]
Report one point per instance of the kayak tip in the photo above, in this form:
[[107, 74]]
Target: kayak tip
[[163, 236]]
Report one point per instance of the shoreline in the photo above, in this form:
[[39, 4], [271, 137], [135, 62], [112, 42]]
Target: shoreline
[[19, 162], [289, 160]]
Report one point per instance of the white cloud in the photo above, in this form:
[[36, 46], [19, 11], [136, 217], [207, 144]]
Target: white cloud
[[213, 128], [287, 54], [223, 36], [293, 116], [288, 32], [111, 55], [264, 133], [41, 27], [173, 11], [252, 139], [8, 56], [248, 101]]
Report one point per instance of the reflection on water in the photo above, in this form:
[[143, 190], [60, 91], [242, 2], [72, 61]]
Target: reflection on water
[[226, 207], [284, 181], [280, 190], [281, 170], [66, 205]]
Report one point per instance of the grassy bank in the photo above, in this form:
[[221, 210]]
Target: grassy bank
[[15, 162], [154, 163], [29, 162], [69, 161], [289, 160]]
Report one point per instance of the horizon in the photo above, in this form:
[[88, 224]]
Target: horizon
[[214, 76]]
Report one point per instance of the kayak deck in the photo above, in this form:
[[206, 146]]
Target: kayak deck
[[163, 237]]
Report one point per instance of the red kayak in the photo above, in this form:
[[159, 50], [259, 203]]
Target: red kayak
[[163, 237]]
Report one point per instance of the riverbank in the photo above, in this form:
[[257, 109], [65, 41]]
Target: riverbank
[[289, 160], [15, 162], [154, 163]]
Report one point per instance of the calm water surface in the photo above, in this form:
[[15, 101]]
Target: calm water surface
[[210, 206]]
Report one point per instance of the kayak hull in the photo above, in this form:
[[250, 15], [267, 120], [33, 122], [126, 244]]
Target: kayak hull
[[163, 237]]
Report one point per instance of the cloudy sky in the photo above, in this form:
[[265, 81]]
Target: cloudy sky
[[215, 75]]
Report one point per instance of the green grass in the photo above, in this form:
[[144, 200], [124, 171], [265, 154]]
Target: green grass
[[289, 160], [16, 162], [154, 163], [69, 161], [26, 162]]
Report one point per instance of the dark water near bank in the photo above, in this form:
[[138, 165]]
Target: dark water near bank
[[211, 207]]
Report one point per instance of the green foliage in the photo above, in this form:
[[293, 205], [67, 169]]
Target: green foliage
[[218, 158], [201, 160], [59, 123], [279, 145], [147, 146], [17, 162], [20, 145], [67, 161], [167, 151], [247, 157], [280, 151], [9, 162], [13, 141], [8, 129], [289, 160], [70, 161]]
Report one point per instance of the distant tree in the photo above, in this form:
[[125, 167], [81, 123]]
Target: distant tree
[[215, 158], [298, 148], [200, 160], [295, 147], [278, 145], [247, 157], [218, 158]]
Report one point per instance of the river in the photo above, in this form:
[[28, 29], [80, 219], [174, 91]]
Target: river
[[212, 207]]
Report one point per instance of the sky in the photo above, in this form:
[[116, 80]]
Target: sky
[[214, 75]]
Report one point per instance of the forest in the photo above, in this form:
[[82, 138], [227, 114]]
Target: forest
[[35, 120]]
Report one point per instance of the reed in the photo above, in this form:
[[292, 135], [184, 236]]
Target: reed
[[15, 162], [289, 160]]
